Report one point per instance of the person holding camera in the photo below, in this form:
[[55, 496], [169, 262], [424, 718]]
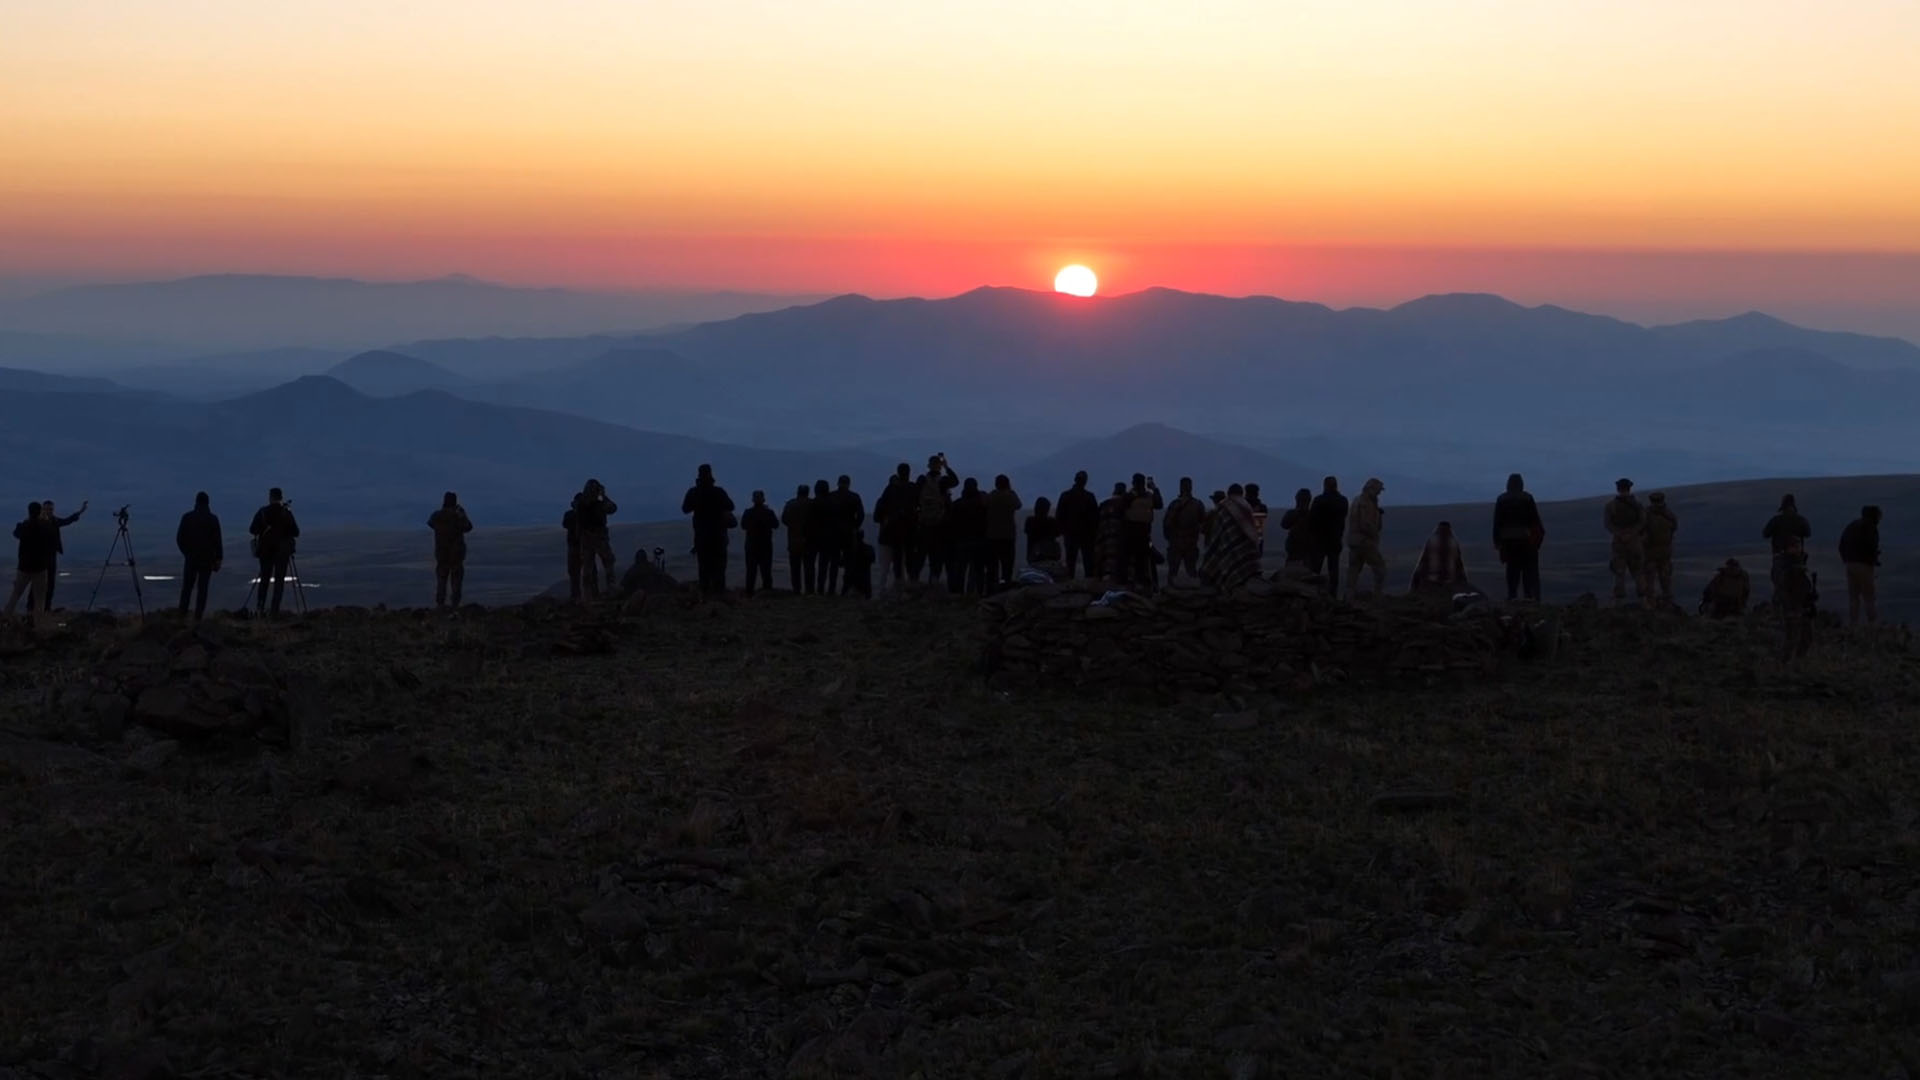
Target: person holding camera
[[712, 511], [200, 544], [275, 533], [450, 526], [1136, 532], [591, 508]]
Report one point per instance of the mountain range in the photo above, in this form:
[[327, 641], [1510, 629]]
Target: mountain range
[[1444, 394], [228, 312]]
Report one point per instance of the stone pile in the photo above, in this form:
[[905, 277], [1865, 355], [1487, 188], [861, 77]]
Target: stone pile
[[1269, 635], [185, 684]]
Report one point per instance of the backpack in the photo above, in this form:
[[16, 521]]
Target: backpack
[[933, 500], [1625, 513]]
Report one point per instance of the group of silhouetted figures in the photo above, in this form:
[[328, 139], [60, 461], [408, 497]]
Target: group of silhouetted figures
[[274, 534], [969, 540]]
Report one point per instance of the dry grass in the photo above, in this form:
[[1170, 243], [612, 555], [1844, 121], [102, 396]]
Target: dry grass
[[807, 838]]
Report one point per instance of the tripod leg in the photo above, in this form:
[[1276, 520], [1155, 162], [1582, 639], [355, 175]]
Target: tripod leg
[[133, 571]]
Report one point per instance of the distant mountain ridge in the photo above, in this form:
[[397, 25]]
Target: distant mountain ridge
[[256, 311]]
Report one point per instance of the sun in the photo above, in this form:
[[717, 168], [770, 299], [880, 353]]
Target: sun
[[1075, 280]]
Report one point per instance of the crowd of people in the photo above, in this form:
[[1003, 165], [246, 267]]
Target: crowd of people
[[974, 540]]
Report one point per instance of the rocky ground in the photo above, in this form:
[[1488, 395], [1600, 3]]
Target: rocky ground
[[810, 838]]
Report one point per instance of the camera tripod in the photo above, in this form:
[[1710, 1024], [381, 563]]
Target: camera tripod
[[262, 583], [120, 539]]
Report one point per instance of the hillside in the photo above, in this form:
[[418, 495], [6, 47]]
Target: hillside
[[806, 839], [382, 373], [347, 457], [255, 311]]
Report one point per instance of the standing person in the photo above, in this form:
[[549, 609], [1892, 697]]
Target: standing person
[[1625, 520], [1788, 534], [823, 547], [1233, 554], [1184, 519], [797, 516], [893, 515], [967, 539], [56, 522], [932, 544], [1328, 516], [1259, 509], [757, 526], [712, 510], [570, 522], [275, 535], [1003, 527], [450, 526], [1443, 566], [1517, 536], [1143, 501], [591, 508], [1659, 530], [1079, 514], [200, 544], [35, 553], [1043, 533], [1298, 523], [1860, 551], [1364, 527], [850, 515]]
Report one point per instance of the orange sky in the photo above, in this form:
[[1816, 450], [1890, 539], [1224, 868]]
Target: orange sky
[[891, 148]]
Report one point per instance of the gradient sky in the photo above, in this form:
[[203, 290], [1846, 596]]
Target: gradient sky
[[896, 147]]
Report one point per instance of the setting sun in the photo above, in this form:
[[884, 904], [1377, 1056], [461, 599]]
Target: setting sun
[[1075, 280]]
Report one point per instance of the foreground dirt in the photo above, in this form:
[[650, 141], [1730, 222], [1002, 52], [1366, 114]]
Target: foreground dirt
[[809, 838]]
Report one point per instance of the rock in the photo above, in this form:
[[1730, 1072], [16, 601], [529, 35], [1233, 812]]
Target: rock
[[1236, 721], [388, 773], [109, 713], [37, 758], [142, 902], [1774, 1027], [1414, 802], [619, 918], [151, 757], [932, 986], [194, 657]]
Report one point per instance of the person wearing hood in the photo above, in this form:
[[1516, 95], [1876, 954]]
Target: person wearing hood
[[1364, 527], [712, 511], [1659, 531], [1443, 566], [1079, 514], [1787, 533], [796, 516], [1328, 519], [201, 545], [1860, 552], [1186, 516], [1626, 520], [1727, 594], [1518, 533], [1233, 545]]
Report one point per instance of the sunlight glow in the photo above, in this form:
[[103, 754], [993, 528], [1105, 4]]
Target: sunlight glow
[[1075, 280]]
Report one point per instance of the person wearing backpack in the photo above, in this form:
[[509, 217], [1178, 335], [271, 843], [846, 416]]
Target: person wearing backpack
[[1626, 520], [1659, 529]]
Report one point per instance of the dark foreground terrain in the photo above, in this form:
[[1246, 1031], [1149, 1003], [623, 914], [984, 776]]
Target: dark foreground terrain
[[799, 838]]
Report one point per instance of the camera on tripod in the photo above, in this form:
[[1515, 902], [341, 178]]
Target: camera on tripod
[[120, 515]]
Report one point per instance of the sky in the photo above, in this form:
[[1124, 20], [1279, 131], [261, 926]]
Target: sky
[[1323, 150]]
